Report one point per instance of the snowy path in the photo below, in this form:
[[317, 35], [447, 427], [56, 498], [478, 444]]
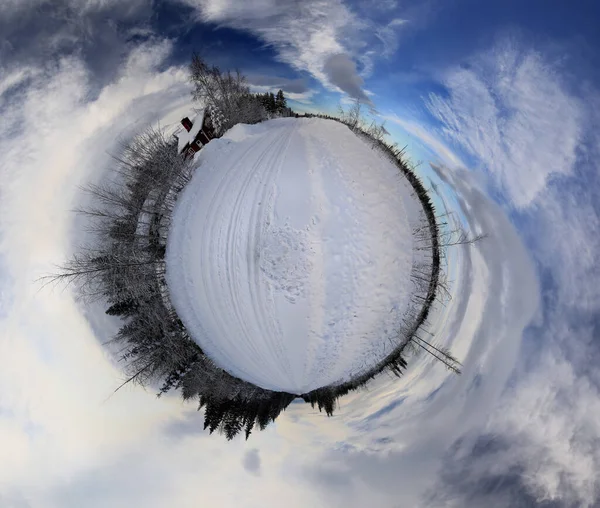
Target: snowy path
[[288, 251]]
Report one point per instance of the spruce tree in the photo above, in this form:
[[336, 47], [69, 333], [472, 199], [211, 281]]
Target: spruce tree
[[280, 102], [272, 108], [123, 308], [249, 426]]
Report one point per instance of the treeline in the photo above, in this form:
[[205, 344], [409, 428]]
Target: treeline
[[275, 104], [231, 416], [228, 99]]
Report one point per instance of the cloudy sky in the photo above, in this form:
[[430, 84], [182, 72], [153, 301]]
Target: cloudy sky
[[500, 103]]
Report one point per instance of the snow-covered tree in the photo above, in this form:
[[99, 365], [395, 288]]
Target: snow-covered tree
[[217, 119]]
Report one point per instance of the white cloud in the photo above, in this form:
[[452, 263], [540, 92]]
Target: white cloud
[[14, 7], [304, 34], [553, 429], [326, 38], [15, 79], [366, 62], [303, 98], [388, 36], [511, 111], [549, 417]]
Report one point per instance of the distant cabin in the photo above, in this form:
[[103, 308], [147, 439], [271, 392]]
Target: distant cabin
[[195, 134]]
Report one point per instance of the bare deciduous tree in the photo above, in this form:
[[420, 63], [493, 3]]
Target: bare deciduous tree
[[226, 95]]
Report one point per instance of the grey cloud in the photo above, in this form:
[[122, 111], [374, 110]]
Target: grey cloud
[[133, 479], [191, 425], [341, 72], [331, 476], [251, 462], [470, 481], [13, 500], [35, 32]]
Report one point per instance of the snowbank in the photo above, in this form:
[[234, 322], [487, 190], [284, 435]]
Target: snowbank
[[290, 253]]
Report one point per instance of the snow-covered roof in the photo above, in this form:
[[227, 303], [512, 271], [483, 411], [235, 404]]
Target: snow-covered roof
[[184, 137]]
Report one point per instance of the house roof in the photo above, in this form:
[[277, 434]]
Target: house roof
[[184, 137]]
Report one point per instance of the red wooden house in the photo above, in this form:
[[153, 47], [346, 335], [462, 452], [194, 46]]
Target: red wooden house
[[195, 134]]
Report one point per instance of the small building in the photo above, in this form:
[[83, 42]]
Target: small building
[[195, 133]]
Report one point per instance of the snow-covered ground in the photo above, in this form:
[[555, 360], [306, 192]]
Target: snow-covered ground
[[290, 253]]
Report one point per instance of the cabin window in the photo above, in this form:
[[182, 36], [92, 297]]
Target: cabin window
[[187, 123]]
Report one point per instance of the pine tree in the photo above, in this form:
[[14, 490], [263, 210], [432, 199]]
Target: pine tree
[[249, 426], [272, 107], [124, 308], [233, 421], [265, 101], [280, 102], [263, 415]]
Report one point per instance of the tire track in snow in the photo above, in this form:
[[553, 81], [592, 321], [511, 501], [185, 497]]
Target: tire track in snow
[[265, 168], [321, 211], [217, 207], [259, 219], [235, 227], [258, 157]]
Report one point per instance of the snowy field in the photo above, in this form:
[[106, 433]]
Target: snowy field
[[290, 253]]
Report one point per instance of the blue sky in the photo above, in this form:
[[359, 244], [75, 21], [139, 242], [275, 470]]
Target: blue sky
[[499, 100]]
